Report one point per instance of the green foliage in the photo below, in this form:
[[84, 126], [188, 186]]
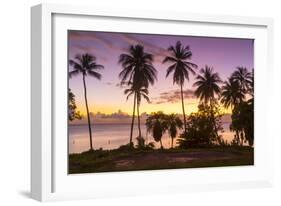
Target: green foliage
[[202, 128]]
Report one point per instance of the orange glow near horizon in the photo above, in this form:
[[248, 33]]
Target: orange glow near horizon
[[168, 108]]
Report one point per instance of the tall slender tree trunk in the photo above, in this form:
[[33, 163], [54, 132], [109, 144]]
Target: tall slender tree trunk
[[161, 144], [183, 111], [172, 143], [138, 111], [133, 120], [88, 114]]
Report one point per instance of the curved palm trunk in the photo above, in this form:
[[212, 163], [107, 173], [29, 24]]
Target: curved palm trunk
[[138, 113], [133, 120], [88, 114], [182, 102]]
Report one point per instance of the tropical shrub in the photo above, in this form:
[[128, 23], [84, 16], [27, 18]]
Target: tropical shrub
[[202, 128]]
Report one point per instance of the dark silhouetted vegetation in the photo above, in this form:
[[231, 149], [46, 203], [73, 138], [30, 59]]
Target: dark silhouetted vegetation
[[202, 128], [138, 73], [181, 68], [72, 112], [85, 65], [198, 136]]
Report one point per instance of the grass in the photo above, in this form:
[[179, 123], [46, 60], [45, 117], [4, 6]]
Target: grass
[[124, 160]]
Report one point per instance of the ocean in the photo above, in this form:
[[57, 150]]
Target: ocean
[[111, 136]]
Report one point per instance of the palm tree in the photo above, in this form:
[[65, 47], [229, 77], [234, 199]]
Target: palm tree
[[173, 123], [207, 85], [243, 77], [181, 67], [251, 85], [156, 124], [138, 71], [86, 65], [207, 89], [231, 94], [138, 93]]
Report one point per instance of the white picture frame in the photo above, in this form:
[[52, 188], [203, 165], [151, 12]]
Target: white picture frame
[[49, 178]]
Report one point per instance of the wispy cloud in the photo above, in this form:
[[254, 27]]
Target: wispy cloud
[[158, 52], [173, 96]]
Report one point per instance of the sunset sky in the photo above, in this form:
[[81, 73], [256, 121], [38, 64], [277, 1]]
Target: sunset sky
[[107, 97]]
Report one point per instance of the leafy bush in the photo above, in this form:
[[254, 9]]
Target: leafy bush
[[202, 128]]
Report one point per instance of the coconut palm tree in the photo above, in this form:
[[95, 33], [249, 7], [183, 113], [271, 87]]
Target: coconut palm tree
[[231, 94], [139, 93], [173, 123], [243, 76], [251, 85], [85, 65], [181, 68], [207, 85], [157, 125], [207, 89], [138, 70]]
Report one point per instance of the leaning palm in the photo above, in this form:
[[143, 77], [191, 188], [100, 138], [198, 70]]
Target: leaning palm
[[173, 123], [231, 94], [86, 65], [138, 70], [180, 67], [207, 85], [139, 94]]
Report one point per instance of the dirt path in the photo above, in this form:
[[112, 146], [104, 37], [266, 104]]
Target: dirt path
[[172, 158], [158, 159]]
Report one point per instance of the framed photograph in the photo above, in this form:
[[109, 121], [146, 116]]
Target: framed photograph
[[135, 102]]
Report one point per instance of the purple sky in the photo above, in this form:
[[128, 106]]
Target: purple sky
[[223, 54]]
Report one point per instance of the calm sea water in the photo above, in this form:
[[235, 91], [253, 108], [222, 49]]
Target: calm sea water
[[110, 136]]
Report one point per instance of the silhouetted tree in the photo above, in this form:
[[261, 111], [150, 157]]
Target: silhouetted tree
[[243, 77], [157, 125], [234, 93], [138, 71], [85, 65], [208, 89], [72, 113], [173, 123], [231, 94], [201, 129], [139, 93], [207, 85], [181, 67]]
